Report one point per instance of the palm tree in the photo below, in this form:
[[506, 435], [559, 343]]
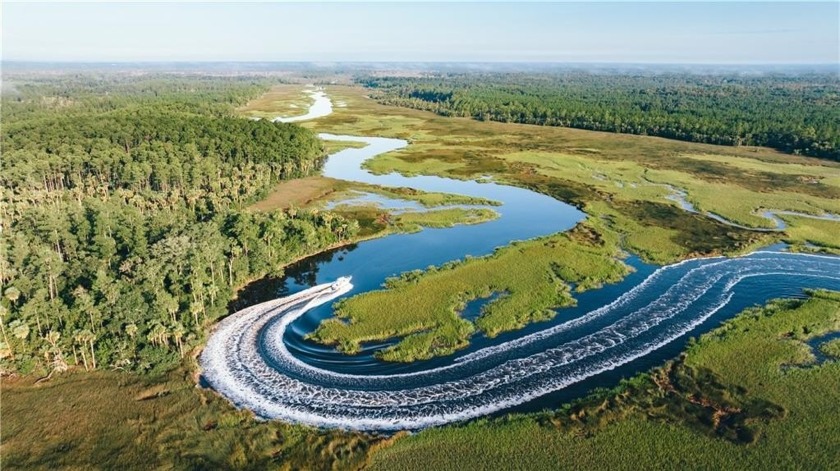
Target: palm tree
[[178, 335], [52, 337], [89, 338], [3, 313], [159, 335], [19, 329], [57, 360], [196, 308], [86, 338], [79, 339], [13, 294], [131, 330]]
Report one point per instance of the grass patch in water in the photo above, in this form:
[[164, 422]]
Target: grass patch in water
[[280, 100], [801, 231], [376, 222], [317, 191], [440, 218], [831, 349], [331, 147], [728, 403], [427, 199], [423, 307]]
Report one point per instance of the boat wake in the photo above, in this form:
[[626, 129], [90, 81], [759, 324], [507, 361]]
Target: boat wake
[[247, 360]]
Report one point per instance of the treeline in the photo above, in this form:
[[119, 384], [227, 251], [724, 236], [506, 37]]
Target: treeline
[[123, 234], [789, 113], [151, 150], [80, 93]]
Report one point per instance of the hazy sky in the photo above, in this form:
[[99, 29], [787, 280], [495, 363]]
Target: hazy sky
[[722, 32]]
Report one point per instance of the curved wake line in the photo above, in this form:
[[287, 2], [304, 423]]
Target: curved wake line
[[292, 390]]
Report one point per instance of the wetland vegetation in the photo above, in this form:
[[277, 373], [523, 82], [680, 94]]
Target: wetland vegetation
[[731, 393], [534, 276], [717, 109], [731, 401], [622, 182], [123, 259]]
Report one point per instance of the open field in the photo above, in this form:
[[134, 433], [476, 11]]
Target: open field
[[746, 396], [115, 420], [298, 193]]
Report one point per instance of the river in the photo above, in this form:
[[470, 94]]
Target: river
[[259, 359]]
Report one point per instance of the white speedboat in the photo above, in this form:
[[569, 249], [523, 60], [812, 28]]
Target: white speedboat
[[340, 283]]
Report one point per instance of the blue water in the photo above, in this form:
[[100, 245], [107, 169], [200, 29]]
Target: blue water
[[583, 348], [816, 343], [393, 205]]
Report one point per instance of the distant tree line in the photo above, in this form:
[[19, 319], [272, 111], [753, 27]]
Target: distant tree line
[[124, 233], [796, 114]]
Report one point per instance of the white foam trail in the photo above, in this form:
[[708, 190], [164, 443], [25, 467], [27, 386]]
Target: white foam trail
[[290, 389]]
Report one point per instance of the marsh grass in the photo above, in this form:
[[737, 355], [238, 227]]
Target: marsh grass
[[727, 404], [318, 191], [331, 147], [280, 100], [618, 180], [427, 199], [377, 222], [114, 420], [440, 218], [831, 349], [584, 167], [535, 275], [814, 231]]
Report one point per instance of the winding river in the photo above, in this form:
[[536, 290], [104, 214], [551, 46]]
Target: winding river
[[260, 360]]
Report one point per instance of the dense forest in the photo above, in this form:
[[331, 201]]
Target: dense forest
[[797, 114], [124, 233]]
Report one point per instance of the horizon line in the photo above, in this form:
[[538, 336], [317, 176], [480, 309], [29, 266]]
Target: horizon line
[[386, 61]]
